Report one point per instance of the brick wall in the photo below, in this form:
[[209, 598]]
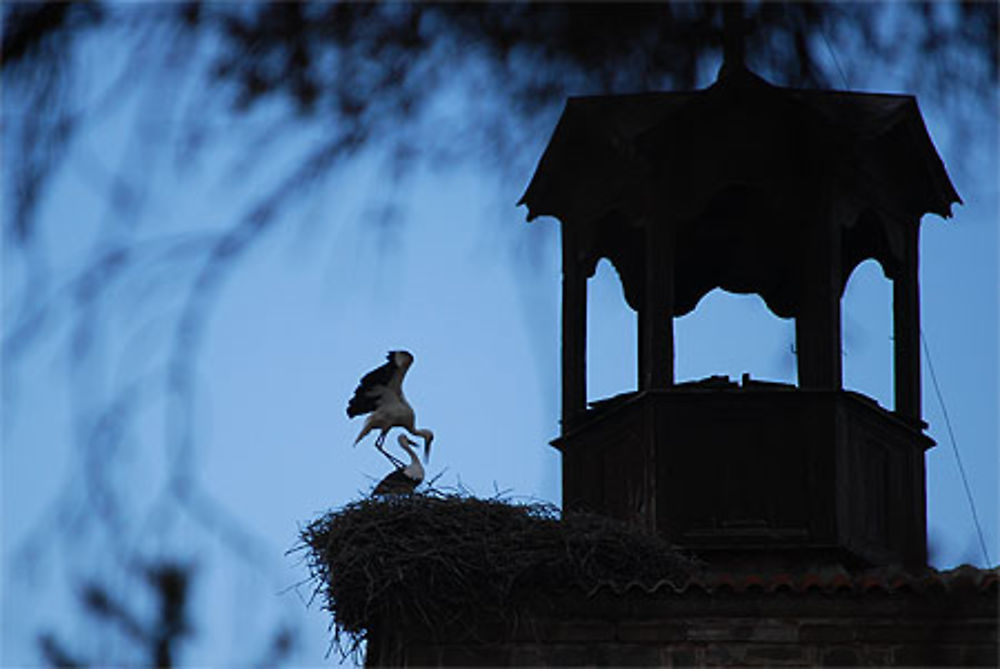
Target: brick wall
[[941, 627]]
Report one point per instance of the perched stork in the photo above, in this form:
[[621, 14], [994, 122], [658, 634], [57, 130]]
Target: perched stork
[[380, 395], [405, 479]]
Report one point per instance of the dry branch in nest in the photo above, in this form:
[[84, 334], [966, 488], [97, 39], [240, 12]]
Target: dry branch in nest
[[434, 561]]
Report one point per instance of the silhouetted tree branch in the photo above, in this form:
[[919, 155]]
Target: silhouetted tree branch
[[361, 77], [361, 69]]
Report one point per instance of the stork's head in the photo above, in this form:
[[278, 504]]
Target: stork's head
[[405, 443], [428, 438], [413, 471]]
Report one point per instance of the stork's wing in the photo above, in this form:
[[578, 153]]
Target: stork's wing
[[374, 384], [395, 483]]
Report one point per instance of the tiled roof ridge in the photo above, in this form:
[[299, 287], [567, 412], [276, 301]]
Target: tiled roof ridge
[[828, 580]]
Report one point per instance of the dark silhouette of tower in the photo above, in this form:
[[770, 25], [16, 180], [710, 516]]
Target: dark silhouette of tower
[[753, 188], [806, 502]]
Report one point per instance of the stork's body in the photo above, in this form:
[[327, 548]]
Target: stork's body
[[380, 395], [405, 479]]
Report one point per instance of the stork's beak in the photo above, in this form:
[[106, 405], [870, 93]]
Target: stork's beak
[[427, 449]]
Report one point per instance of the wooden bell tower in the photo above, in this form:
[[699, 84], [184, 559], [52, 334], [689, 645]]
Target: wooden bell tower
[[754, 188]]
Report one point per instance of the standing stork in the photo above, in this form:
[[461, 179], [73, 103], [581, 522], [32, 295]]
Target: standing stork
[[403, 480], [380, 395]]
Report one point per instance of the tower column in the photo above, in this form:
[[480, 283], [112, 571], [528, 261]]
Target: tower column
[[906, 331], [574, 332], [656, 316], [817, 323]]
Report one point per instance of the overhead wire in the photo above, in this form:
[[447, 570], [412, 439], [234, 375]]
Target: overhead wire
[[954, 448], [930, 367], [833, 54]]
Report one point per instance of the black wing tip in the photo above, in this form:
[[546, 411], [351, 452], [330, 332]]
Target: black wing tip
[[361, 403], [396, 483]]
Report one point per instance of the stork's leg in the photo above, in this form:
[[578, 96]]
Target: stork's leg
[[379, 444], [396, 462]]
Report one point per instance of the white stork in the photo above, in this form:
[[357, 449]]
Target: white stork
[[403, 480], [380, 395]]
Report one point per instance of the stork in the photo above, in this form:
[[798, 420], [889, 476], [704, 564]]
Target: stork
[[380, 395], [403, 480]]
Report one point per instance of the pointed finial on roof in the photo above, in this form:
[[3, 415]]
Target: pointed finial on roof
[[734, 30]]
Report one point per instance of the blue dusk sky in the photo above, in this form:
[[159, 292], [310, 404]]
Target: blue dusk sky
[[441, 263]]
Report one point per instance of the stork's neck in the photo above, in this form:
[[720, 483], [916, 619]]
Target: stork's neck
[[414, 460], [424, 434], [414, 470]]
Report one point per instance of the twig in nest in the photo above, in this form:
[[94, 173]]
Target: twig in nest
[[431, 562]]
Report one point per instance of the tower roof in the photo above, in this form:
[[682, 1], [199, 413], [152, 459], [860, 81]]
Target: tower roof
[[738, 169]]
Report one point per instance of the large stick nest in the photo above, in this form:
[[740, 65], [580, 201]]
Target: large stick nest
[[437, 560]]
